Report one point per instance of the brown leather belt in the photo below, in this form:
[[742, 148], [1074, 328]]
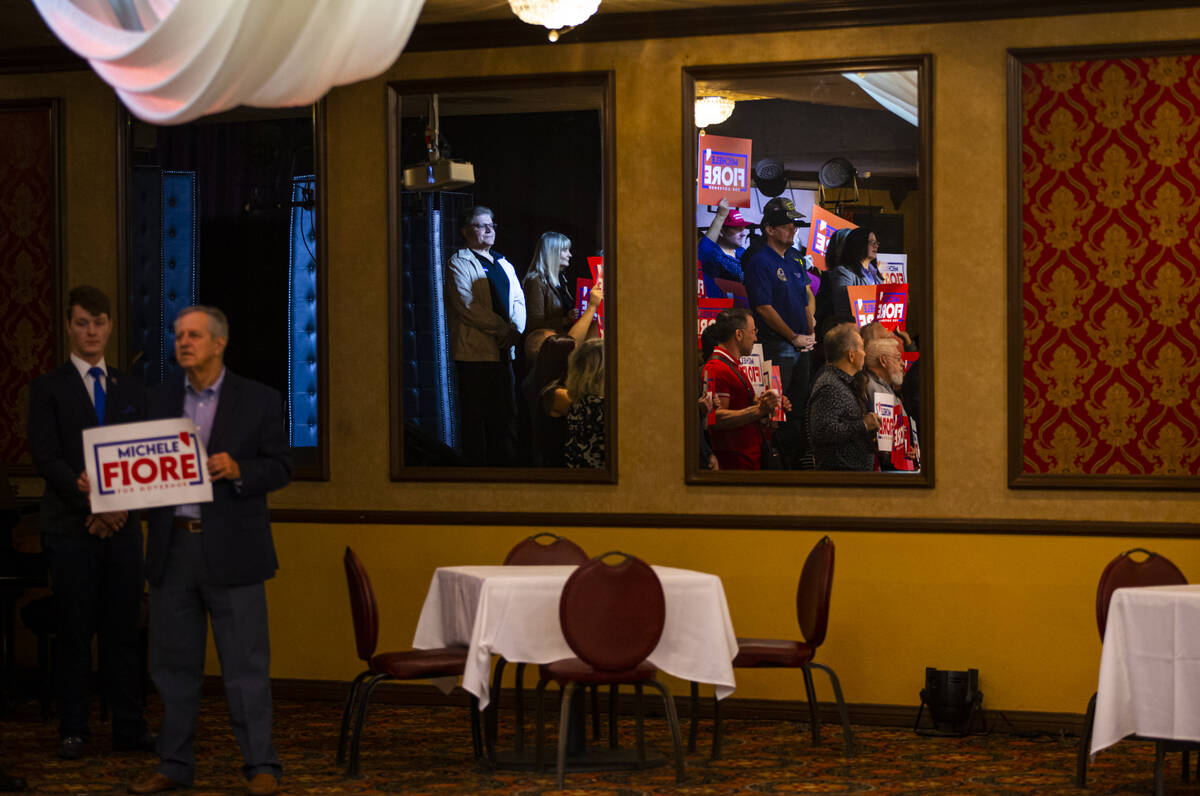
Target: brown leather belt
[[186, 524]]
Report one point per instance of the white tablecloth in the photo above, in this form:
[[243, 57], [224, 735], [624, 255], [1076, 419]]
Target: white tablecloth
[[513, 611], [1150, 666]]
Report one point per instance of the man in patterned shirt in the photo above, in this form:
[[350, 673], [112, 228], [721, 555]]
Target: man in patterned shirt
[[841, 430]]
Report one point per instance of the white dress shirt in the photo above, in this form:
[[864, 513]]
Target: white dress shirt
[[89, 383]]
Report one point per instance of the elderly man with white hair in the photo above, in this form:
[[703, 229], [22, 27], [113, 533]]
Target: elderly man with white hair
[[884, 373]]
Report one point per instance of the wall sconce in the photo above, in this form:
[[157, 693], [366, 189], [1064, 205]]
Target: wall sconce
[[557, 15]]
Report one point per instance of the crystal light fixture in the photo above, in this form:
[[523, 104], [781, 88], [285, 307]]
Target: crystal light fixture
[[554, 14], [712, 110]]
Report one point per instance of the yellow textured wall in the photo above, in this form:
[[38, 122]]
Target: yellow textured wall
[[1019, 608]]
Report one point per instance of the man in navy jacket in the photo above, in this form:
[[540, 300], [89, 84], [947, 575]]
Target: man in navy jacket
[[211, 559], [95, 559]]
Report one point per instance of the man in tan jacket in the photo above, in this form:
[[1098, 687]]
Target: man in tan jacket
[[485, 308]]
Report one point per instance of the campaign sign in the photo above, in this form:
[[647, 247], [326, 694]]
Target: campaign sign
[[752, 369], [583, 289], [777, 386], [724, 171], [596, 266], [822, 226], [140, 465], [700, 292], [891, 305], [710, 387], [892, 267], [862, 303], [885, 407], [707, 311], [903, 454]]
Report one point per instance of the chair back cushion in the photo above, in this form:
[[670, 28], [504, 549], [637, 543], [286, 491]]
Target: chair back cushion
[[362, 606], [1125, 571], [812, 594], [612, 615], [559, 550]]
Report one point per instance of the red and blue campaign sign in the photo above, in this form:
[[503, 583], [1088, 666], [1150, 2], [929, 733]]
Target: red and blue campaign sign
[[139, 465], [891, 305], [724, 171], [707, 310], [583, 290], [862, 302], [824, 224]]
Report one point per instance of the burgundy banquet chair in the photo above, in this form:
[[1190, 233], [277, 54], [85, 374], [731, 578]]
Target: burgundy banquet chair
[[1122, 572], [812, 612], [612, 616], [403, 665], [532, 550], [541, 549]]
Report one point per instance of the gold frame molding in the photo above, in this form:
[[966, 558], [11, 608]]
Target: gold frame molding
[[860, 523], [308, 466], [692, 472], [606, 82], [1017, 478]]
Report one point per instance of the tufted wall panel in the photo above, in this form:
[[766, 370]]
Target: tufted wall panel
[[429, 232], [145, 270], [179, 255], [163, 245], [302, 316]]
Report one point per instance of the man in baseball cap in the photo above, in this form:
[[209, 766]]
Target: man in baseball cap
[[780, 212], [778, 289]]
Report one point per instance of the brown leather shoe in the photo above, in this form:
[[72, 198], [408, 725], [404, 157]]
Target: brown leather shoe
[[263, 784], [155, 783]]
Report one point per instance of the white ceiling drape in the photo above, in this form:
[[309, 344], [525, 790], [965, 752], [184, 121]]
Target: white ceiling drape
[[896, 91], [172, 61]]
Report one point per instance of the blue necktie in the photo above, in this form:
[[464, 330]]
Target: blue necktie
[[98, 392]]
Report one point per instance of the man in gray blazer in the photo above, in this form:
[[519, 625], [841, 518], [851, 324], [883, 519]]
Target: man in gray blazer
[[211, 559]]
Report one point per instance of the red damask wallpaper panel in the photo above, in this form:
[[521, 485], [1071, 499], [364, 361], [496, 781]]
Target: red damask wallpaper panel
[[1110, 268], [29, 264]]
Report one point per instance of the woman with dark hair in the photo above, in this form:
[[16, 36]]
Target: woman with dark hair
[[854, 266], [550, 402]]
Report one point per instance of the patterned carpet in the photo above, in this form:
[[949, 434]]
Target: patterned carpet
[[428, 750]]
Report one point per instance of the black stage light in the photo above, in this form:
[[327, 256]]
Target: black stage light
[[770, 177], [952, 698]]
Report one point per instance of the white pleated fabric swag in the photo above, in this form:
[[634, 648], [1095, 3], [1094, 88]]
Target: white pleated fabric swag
[[172, 61]]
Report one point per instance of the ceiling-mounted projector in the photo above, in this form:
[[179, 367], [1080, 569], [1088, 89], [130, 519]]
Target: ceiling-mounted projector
[[439, 175]]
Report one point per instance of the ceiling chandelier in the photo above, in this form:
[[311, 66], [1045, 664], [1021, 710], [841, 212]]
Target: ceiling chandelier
[[712, 110], [557, 15]]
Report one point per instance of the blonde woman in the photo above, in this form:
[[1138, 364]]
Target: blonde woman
[[548, 298], [585, 418]]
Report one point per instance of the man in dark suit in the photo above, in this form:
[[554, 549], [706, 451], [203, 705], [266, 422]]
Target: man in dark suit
[[213, 558], [95, 559]]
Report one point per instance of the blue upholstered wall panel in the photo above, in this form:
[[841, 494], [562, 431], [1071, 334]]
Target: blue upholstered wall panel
[[145, 274], [302, 316], [163, 271], [430, 230], [179, 249]]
